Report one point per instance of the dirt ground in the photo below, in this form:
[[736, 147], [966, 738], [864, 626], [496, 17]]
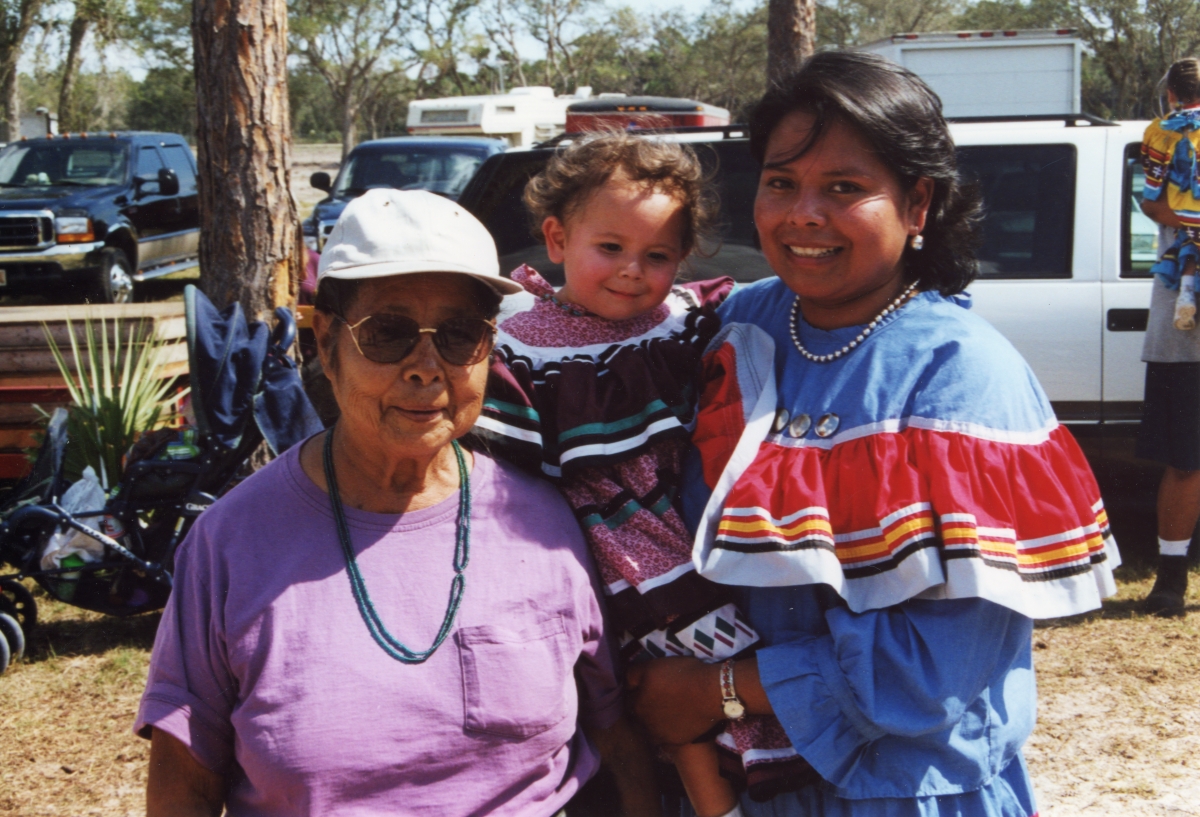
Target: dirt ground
[[1118, 728]]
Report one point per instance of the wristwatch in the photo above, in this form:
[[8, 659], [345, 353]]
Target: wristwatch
[[734, 709]]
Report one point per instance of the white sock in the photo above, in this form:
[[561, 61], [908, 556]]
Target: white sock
[[1187, 283], [737, 812], [1168, 548]]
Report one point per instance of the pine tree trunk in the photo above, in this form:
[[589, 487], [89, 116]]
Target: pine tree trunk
[[249, 242], [67, 120], [791, 36], [10, 87]]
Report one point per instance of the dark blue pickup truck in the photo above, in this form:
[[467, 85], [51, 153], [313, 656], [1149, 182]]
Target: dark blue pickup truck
[[85, 217]]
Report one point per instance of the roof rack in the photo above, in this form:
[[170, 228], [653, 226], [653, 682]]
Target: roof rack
[[736, 131], [1071, 120]]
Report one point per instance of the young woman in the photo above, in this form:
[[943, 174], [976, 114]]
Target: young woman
[[879, 472]]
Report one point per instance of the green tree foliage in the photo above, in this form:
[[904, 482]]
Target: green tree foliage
[[165, 101]]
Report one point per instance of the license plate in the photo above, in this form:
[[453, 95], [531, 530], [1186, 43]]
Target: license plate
[[3, 278]]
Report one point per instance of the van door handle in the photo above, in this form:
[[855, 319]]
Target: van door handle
[[1128, 320]]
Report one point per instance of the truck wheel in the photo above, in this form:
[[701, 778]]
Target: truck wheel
[[115, 282]]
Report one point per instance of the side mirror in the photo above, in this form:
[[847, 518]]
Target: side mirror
[[146, 186], [321, 181], [168, 182]]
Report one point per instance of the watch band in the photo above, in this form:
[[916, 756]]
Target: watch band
[[733, 707]]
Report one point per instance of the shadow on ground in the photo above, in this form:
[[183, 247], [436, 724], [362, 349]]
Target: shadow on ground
[[70, 637]]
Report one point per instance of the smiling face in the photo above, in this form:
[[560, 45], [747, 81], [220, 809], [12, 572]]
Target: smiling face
[[415, 407], [834, 222], [620, 249]]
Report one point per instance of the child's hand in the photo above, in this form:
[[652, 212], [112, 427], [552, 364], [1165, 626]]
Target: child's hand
[[676, 699]]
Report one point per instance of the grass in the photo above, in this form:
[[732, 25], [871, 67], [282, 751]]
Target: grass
[[1118, 729]]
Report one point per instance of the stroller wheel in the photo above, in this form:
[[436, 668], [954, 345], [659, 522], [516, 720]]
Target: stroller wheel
[[13, 635], [18, 602], [5, 654]]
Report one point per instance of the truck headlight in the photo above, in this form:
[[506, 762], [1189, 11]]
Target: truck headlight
[[74, 229]]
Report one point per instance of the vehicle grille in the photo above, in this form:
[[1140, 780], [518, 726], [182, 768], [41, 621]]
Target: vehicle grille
[[24, 231]]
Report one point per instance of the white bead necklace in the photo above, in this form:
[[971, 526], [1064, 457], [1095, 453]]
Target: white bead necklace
[[867, 330]]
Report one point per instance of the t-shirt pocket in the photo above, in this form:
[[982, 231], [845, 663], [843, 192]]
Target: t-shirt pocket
[[517, 683]]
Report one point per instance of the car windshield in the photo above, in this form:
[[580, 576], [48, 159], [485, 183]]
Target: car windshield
[[63, 163], [444, 170]]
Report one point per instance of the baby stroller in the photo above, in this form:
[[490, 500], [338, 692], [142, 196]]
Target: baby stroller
[[244, 390]]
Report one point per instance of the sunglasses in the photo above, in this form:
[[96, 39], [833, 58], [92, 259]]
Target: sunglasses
[[391, 338]]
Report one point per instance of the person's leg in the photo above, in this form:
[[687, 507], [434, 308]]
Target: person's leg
[[1185, 303], [1178, 512]]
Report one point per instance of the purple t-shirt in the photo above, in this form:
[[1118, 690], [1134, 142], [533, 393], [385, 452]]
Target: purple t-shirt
[[264, 668]]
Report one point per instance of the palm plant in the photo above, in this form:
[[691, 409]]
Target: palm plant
[[117, 393]]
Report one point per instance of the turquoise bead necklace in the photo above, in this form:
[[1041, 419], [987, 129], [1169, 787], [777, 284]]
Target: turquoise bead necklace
[[462, 554]]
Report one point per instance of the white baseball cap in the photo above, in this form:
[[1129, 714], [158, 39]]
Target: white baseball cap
[[394, 232]]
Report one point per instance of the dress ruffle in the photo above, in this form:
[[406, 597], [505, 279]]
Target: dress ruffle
[[913, 507]]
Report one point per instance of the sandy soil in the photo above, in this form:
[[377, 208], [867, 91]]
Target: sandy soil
[[307, 160]]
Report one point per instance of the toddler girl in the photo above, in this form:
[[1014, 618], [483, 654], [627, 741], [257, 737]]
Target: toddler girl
[[595, 387], [1169, 151]]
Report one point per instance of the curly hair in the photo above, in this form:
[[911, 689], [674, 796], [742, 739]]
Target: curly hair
[[584, 166], [901, 118]]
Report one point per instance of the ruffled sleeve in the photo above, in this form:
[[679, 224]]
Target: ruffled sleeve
[[921, 505], [861, 702], [1158, 147]]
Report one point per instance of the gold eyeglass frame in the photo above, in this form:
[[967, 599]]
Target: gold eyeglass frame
[[421, 330]]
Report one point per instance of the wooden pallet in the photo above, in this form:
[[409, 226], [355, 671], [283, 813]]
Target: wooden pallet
[[29, 377]]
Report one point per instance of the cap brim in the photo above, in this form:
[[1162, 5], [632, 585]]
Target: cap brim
[[385, 268]]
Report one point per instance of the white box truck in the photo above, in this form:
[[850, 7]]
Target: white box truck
[[993, 73]]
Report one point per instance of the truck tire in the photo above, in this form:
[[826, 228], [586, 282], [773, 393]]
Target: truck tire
[[114, 282]]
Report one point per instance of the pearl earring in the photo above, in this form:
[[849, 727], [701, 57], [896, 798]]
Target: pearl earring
[[917, 241]]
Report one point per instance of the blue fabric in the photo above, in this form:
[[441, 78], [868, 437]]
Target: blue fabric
[[1169, 268], [947, 363], [236, 378], [1182, 173], [920, 708]]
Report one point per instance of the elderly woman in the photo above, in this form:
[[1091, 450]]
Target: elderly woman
[[880, 474], [382, 620]]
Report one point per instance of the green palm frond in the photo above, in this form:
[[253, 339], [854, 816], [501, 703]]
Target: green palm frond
[[117, 392]]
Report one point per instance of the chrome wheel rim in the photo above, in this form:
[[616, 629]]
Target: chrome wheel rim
[[120, 283]]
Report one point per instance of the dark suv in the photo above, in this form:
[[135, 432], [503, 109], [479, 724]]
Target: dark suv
[[86, 216], [440, 164], [494, 197]]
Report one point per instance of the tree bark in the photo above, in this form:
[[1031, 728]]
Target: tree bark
[[791, 36], [66, 103], [249, 242], [13, 29]]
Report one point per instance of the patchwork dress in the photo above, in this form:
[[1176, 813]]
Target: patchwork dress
[[605, 408], [893, 521], [1169, 157]]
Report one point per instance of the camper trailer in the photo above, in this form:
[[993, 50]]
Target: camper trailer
[[522, 117]]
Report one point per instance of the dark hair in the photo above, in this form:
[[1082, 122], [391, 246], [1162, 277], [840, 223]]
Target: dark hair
[[581, 168], [1183, 79], [902, 119]]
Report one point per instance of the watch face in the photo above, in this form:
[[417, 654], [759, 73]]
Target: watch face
[[734, 710]]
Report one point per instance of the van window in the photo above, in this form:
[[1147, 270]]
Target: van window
[[1139, 233], [148, 161], [180, 160], [1029, 208]]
